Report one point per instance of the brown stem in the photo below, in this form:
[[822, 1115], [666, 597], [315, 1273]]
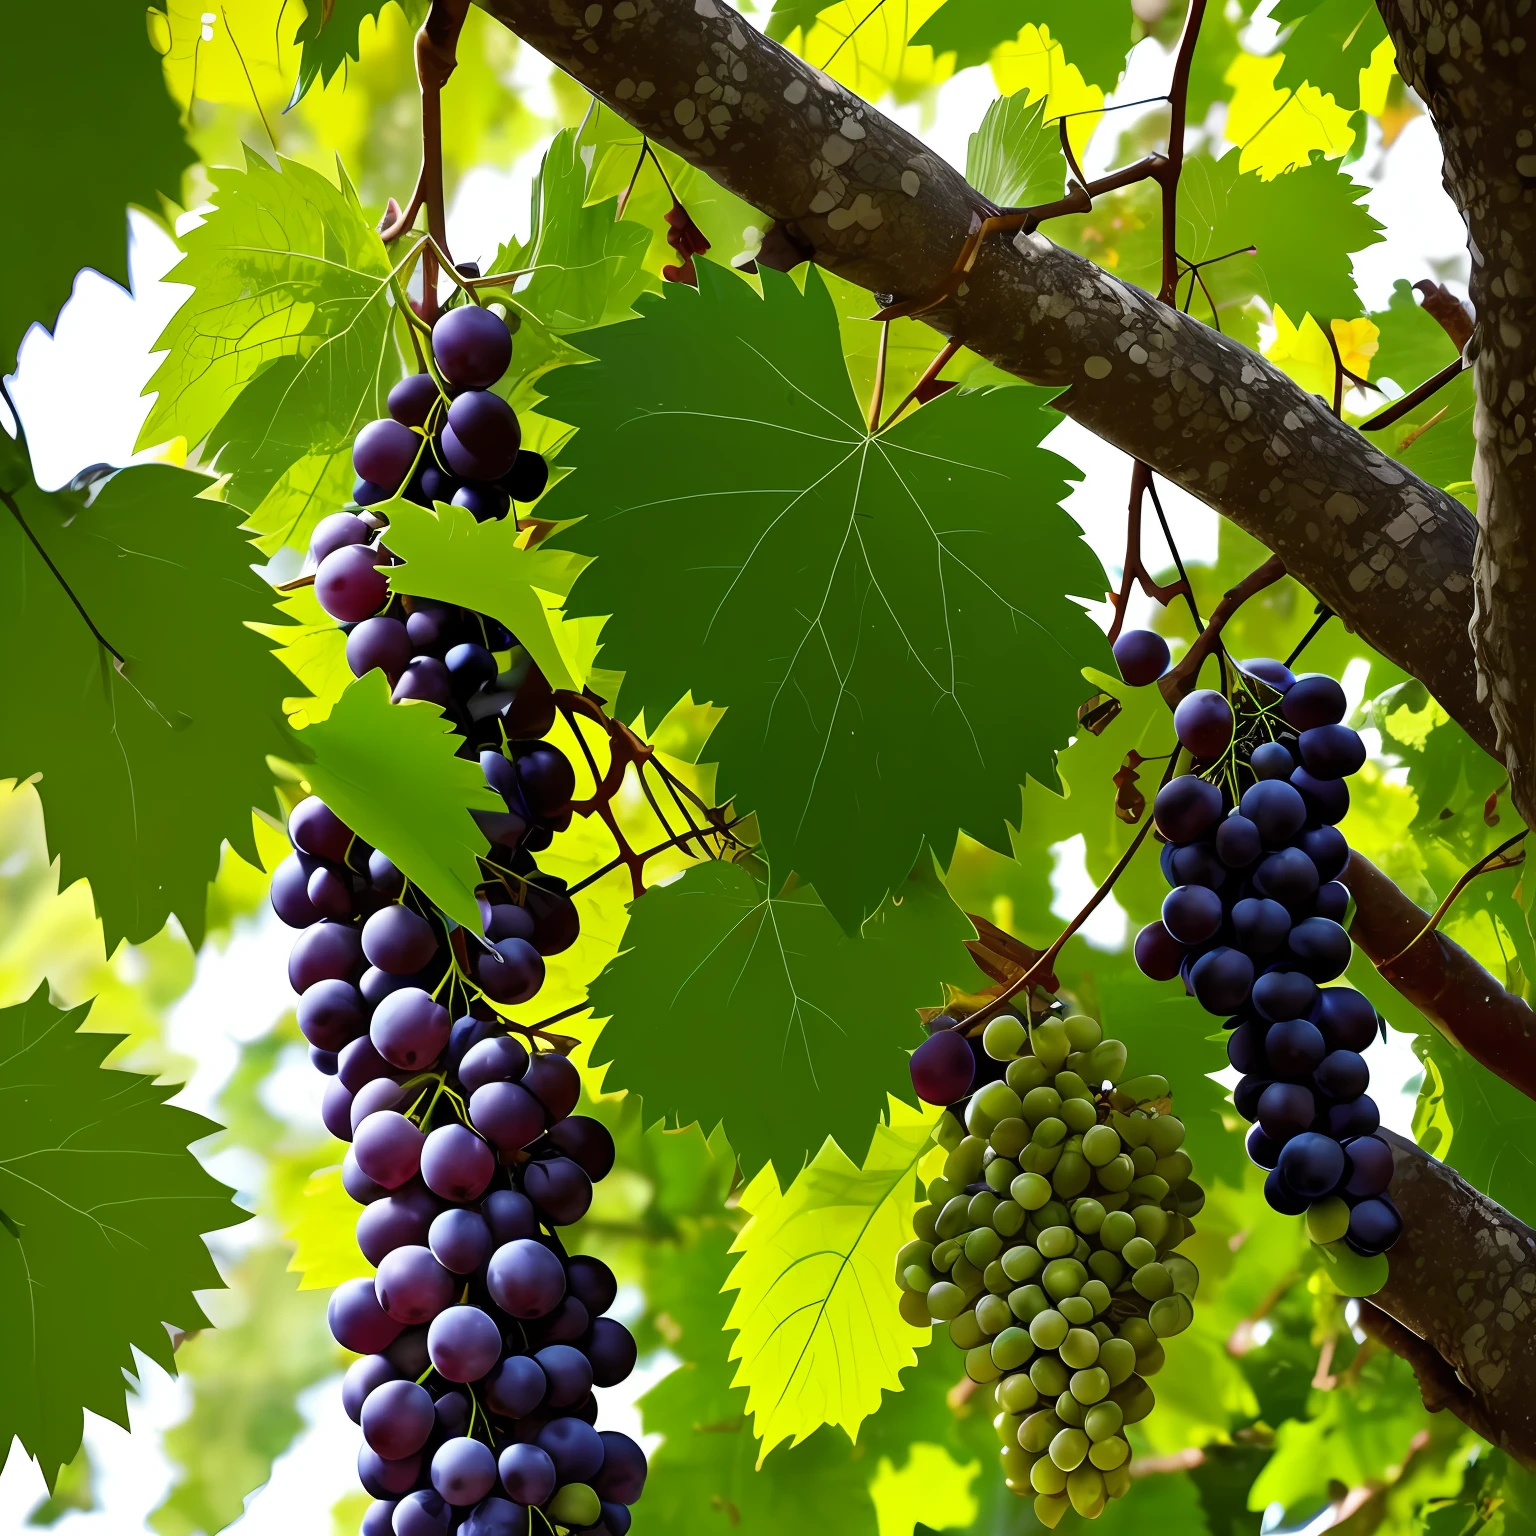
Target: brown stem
[[1180, 679], [1173, 166], [436, 59], [1495, 859], [1135, 569], [1415, 397]]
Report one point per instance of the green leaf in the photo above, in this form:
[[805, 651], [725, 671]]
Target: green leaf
[[453, 559], [286, 346], [1328, 45], [1015, 156], [776, 1022], [325, 1251], [1411, 344], [389, 771], [1095, 35], [101, 133], [853, 601], [329, 35], [103, 1210], [818, 1331], [149, 764]]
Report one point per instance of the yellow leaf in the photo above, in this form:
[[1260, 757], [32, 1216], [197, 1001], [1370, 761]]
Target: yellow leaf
[[314, 650], [325, 1250], [1377, 77], [1303, 352], [1358, 341], [240, 52], [1279, 129], [864, 47], [819, 1333], [1035, 62], [933, 1489]]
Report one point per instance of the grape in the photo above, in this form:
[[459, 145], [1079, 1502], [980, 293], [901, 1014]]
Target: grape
[[366, 494], [1186, 808], [1142, 656], [386, 1479], [508, 1116], [1158, 955], [1294, 1047], [412, 1286], [1332, 901], [325, 1062], [615, 1522], [1203, 723], [470, 667], [472, 347], [1321, 946], [363, 1375], [464, 1343], [557, 923], [1271, 761], [317, 830], [422, 1513], [384, 453], [1245, 1048], [360, 1063], [1261, 1149], [943, 1068], [1285, 1109], [1246, 1095], [349, 585], [568, 1372], [463, 1470], [1327, 799], [1222, 980], [397, 1418], [588, 1142], [399, 1220], [468, 1032], [1327, 849], [408, 1354], [622, 1478], [496, 1517], [517, 1388], [526, 480], [1288, 876], [1313, 700], [357, 1183], [1346, 1017], [389, 1148], [454, 1412], [574, 1447], [559, 1189], [425, 678], [290, 893], [1195, 864], [1358, 1117], [1260, 925], [554, 1082], [357, 1320], [336, 1109], [509, 1214], [1238, 843], [592, 1282], [509, 921], [335, 532], [1282, 1199], [525, 1279], [612, 1351], [428, 625], [527, 1473], [1284, 995], [485, 503], [436, 485], [1368, 1166], [1374, 1226], [376, 985], [1342, 1075], [487, 428], [460, 1240], [381, 643], [412, 399], [1276, 809], [1192, 913], [409, 1030], [1268, 670], [324, 952], [1311, 1164], [380, 1093], [398, 940], [1331, 751], [512, 971], [330, 1013], [547, 779], [500, 1059], [329, 893], [456, 1163]]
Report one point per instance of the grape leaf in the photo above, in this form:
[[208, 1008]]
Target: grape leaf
[[75, 180], [776, 1022], [853, 601], [103, 1209], [818, 1332], [452, 558], [329, 33], [325, 1251], [1095, 36], [286, 346], [1329, 43], [389, 771], [147, 765], [1411, 344], [1015, 156]]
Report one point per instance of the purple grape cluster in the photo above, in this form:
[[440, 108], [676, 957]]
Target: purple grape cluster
[[1254, 928]]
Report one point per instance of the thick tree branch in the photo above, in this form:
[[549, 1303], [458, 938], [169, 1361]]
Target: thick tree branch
[[1440, 979], [1474, 65], [1390, 554]]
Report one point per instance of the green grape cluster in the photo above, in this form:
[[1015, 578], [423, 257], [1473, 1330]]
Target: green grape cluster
[[1047, 1246]]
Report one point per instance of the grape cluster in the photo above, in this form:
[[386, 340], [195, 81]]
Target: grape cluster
[[1254, 928], [1047, 1245], [481, 1337]]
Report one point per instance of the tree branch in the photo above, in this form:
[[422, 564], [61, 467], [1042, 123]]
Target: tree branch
[[1440, 979], [1390, 554]]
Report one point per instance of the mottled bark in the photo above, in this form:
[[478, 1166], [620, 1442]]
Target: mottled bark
[[851, 190], [1475, 67]]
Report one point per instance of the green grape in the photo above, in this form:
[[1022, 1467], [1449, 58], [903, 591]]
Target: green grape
[[1101, 1421], [1022, 1263], [1026, 1074], [954, 1218], [1118, 1229], [1106, 1061], [1007, 1218], [1079, 1349], [964, 1163], [1071, 1086], [1070, 1175], [1117, 1358], [1150, 1185], [1138, 1252], [1038, 1430], [1132, 1127], [1037, 1159], [1069, 1410], [916, 1277], [1046, 1477], [1068, 1448], [1041, 1103], [1053, 1214], [1185, 1277], [914, 1309], [982, 1246], [1175, 1168], [1048, 1329], [1057, 1242], [1049, 1375], [1328, 1220], [1151, 1222], [979, 1366], [1135, 1398], [1117, 1483], [941, 1192], [1016, 1393], [1137, 1332], [945, 1300], [1010, 1137], [1090, 1385], [979, 1208], [1096, 1293], [1084, 1032], [995, 1278], [1016, 1463], [1076, 1311], [966, 1275], [1085, 1489], [1003, 1037], [946, 1253], [1079, 1114], [1151, 1085], [1000, 1173], [949, 1132], [1030, 1190], [1117, 1173], [1101, 1145], [993, 1314], [1165, 1134], [999, 1101], [966, 1332], [1191, 1199], [925, 1222], [1051, 1044], [1108, 1454], [1101, 1330], [1050, 1508], [1152, 1281], [1028, 1302], [1063, 1277], [914, 1253], [1143, 1160], [1171, 1315], [1081, 1250], [1050, 1132], [1011, 1348]]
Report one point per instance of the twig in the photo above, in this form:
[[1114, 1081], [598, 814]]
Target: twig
[[1180, 679], [1415, 397], [877, 396], [1489, 862], [1135, 570], [1324, 613]]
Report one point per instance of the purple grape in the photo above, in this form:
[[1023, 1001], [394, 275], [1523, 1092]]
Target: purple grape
[[1237, 842], [472, 347], [1370, 1167], [470, 667], [329, 893], [386, 1479], [527, 1473], [1186, 808], [574, 1447], [1374, 1226], [622, 1477], [588, 1142], [1342, 1074], [568, 1323], [425, 678], [1196, 864], [436, 485], [1293, 1048], [408, 1354], [409, 1030], [554, 1082], [1262, 1150], [1272, 760], [336, 532], [317, 830], [463, 1470], [1289, 877], [525, 1279], [357, 1320], [559, 1188], [1268, 670], [389, 1148], [1331, 751], [357, 1183], [507, 1115], [381, 1093], [509, 921], [511, 972], [1246, 1095], [464, 1343], [381, 643], [1158, 955], [529, 474], [1327, 799], [397, 1418], [1282, 1199], [398, 940], [1346, 1018], [465, 462], [1285, 1109], [942, 1068], [376, 985], [1259, 925], [1333, 901], [1203, 723], [1327, 849], [484, 503], [360, 1063], [402, 1219], [331, 1013], [326, 1063], [412, 1286], [1245, 1047], [616, 1520], [465, 1035], [1311, 1165], [324, 952], [290, 893], [422, 1513], [509, 1214], [486, 427], [363, 1375], [1313, 700], [547, 780], [456, 1163], [1222, 980], [349, 584], [1357, 1117], [496, 1517], [500, 1059], [1276, 809], [385, 451], [517, 1388], [412, 399], [612, 1352], [1192, 913], [591, 1282], [557, 923], [568, 1372], [1284, 995], [366, 494], [460, 1240], [336, 1109], [428, 623], [1142, 656], [1321, 946]]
